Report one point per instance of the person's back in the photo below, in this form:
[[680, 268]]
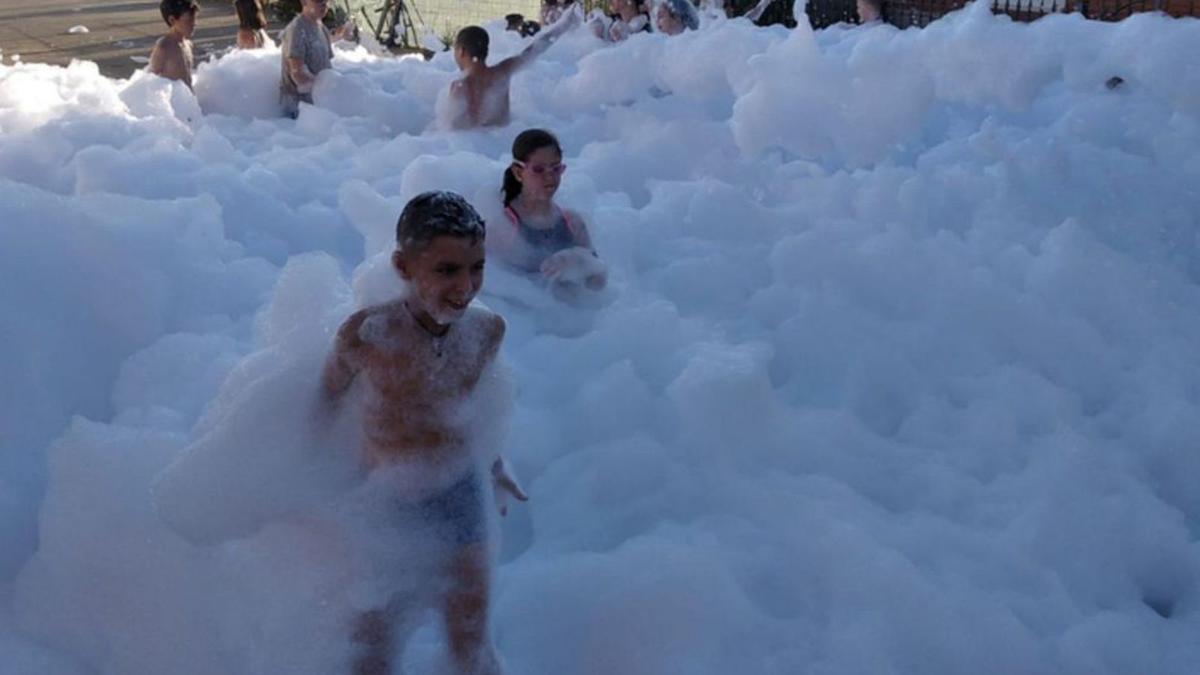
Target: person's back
[[306, 50], [252, 23], [172, 55], [481, 96]]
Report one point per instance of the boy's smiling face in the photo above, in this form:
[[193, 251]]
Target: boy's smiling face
[[445, 275]]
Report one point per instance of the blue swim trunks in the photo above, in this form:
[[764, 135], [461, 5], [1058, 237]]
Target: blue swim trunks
[[456, 514]]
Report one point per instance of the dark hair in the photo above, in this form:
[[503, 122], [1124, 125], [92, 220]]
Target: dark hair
[[513, 21], [250, 14], [436, 214], [474, 41], [173, 9], [525, 144]]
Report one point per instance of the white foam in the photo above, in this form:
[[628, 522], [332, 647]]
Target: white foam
[[898, 342]]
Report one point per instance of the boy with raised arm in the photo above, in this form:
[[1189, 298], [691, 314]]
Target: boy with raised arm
[[481, 96], [172, 54], [419, 358]]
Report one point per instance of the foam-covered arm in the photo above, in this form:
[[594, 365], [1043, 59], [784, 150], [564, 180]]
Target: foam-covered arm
[[341, 366], [756, 13], [542, 42], [301, 75]]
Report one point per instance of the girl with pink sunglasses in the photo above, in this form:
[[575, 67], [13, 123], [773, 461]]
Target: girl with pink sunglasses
[[541, 237]]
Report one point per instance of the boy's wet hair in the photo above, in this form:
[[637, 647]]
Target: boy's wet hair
[[173, 9], [437, 214], [474, 41]]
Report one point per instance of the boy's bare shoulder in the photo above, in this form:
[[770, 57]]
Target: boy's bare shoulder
[[350, 332], [491, 324], [167, 45]]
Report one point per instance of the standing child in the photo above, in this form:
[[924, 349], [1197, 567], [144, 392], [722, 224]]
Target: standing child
[[543, 238], [481, 96], [419, 358], [306, 50], [172, 54]]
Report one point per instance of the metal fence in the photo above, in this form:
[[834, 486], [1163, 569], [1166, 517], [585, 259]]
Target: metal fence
[[905, 13], [445, 17]]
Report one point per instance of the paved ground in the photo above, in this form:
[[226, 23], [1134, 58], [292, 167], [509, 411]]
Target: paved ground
[[122, 32], [119, 31]]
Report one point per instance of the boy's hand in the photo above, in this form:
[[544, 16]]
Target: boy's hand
[[506, 484]]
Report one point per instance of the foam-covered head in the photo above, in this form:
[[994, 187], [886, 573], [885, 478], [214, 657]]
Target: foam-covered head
[[676, 16], [435, 214], [471, 44], [440, 254], [174, 10]]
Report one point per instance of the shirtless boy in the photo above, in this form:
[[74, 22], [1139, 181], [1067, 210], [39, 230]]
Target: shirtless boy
[[419, 358], [482, 94], [172, 54]]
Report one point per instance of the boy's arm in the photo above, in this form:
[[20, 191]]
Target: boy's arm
[[506, 484], [167, 61], [541, 43], [301, 75], [160, 56], [342, 364], [502, 474], [294, 52]]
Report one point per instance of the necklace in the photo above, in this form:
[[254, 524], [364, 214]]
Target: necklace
[[437, 340]]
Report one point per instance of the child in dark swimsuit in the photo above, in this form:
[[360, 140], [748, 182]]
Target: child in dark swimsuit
[[541, 237]]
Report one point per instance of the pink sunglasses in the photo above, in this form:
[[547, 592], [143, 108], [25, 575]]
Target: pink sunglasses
[[540, 169]]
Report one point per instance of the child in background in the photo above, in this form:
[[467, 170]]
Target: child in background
[[552, 10], [543, 238], [482, 94], [172, 54], [419, 358], [306, 50], [252, 24], [675, 16], [628, 17]]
